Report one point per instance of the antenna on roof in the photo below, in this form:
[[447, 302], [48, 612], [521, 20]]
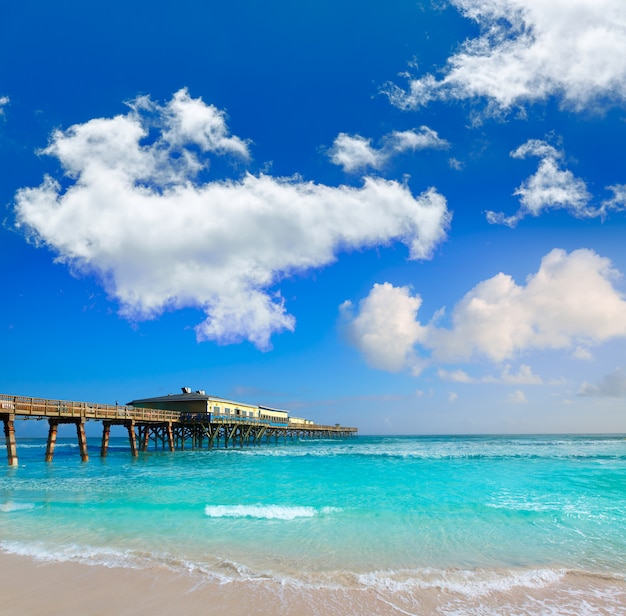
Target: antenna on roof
[[186, 390]]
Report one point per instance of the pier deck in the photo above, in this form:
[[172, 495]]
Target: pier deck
[[166, 429]]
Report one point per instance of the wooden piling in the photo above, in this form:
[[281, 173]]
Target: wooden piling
[[82, 440], [9, 435], [106, 432], [52, 439], [132, 438], [170, 436]]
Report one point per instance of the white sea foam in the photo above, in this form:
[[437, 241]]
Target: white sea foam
[[265, 512], [106, 557], [10, 507], [467, 583], [118, 558]]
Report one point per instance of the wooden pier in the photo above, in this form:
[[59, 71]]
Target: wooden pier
[[163, 429]]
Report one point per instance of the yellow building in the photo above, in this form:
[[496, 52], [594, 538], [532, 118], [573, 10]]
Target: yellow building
[[199, 404]]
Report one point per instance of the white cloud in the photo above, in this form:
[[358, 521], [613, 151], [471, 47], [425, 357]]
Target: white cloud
[[570, 302], [455, 164], [455, 376], [613, 385], [4, 101], [524, 376], [582, 353], [453, 397], [517, 397], [385, 329], [529, 50], [571, 299], [551, 187], [355, 153], [132, 210], [617, 201]]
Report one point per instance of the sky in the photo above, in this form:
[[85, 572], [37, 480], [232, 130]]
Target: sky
[[409, 219]]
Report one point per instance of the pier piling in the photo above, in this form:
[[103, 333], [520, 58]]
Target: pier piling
[[106, 433], [82, 440], [130, 426], [52, 438], [9, 435]]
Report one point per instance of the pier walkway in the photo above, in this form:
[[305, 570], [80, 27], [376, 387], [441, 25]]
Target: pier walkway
[[166, 429]]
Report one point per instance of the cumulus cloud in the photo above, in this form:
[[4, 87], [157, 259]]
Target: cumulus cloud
[[529, 50], [612, 385], [386, 329], [355, 153], [551, 187], [132, 209], [570, 302]]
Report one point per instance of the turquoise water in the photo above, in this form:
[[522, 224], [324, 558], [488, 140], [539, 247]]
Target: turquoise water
[[469, 516]]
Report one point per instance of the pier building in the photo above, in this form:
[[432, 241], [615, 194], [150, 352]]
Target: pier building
[[173, 422]]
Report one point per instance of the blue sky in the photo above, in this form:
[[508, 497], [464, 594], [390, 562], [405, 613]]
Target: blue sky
[[409, 219]]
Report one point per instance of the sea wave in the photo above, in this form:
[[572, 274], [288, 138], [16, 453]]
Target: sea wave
[[265, 512], [10, 507], [478, 592], [112, 558], [474, 584], [451, 449]]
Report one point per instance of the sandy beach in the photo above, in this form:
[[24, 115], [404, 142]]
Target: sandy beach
[[31, 588]]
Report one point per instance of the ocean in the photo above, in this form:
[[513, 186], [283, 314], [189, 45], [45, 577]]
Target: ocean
[[383, 525]]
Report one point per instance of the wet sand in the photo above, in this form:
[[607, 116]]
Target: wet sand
[[32, 588]]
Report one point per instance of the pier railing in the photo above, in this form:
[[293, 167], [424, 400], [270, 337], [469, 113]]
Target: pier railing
[[44, 408]]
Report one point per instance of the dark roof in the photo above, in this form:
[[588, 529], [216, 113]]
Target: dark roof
[[172, 398], [190, 396], [271, 408]]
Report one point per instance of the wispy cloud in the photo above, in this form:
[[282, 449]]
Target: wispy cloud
[[133, 210], [568, 303], [517, 397], [524, 376], [529, 50], [355, 153], [4, 101], [551, 187]]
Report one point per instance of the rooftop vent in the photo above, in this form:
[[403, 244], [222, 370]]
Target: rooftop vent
[[201, 392], [186, 390]]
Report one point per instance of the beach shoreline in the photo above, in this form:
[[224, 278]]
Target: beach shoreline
[[428, 526], [29, 587]]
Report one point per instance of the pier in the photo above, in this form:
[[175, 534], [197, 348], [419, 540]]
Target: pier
[[165, 429]]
